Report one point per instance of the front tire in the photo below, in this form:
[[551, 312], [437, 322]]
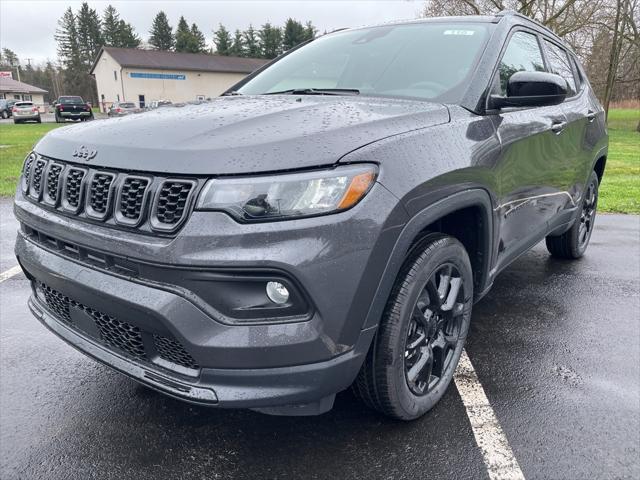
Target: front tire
[[5, 115], [422, 332], [574, 242]]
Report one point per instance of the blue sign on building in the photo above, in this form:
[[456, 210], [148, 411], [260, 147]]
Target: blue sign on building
[[158, 76]]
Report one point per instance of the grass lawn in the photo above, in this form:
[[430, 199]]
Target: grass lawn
[[620, 190]]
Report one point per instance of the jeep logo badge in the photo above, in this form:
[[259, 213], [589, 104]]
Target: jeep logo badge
[[84, 153]]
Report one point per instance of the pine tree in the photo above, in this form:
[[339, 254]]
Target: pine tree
[[222, 40], [161, 33], [183, 36], [117, 32], [198, 40], [110, 26], [75, 76], [237, 47], [294, 34], [127, 36], [270, 41], [8, 58], [251, 45], [309, 31], [89, 34]]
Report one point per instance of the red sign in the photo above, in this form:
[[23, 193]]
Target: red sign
[[6, 75]]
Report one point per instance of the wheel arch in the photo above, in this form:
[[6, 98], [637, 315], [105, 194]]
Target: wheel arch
[[442, 216]]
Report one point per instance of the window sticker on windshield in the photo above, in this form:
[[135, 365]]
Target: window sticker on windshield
[[459, 32]]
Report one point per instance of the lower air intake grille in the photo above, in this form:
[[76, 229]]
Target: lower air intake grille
[[172, 201], [172, 351], [117, 334]]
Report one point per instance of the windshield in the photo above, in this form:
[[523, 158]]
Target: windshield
[[24, 104], [66, 100], [127, 105], [419, 60]]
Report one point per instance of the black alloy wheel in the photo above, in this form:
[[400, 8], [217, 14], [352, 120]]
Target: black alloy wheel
[[434, 330]]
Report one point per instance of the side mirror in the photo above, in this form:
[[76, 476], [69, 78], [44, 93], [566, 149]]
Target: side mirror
[[532, 89]]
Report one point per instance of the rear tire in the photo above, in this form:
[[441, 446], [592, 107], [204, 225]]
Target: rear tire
[[5, 115], [574, 242], [419, 341]]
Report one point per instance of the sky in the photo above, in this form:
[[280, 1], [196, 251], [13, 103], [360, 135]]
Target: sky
[[27, 27]]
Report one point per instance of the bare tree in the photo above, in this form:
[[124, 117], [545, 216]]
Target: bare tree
[[603, 33]]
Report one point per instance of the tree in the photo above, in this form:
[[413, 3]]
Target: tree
[[127, 36], [309, 31], [183, 36], [116, 32], [198, 40], [270, 41], [110, 26], [222, 40], [9, 59], [294, 34], [161, 33], [89, 34], [251, 42], [237, 47]]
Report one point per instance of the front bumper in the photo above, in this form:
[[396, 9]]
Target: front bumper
[[74, 115], [292, 366], [299, 389]]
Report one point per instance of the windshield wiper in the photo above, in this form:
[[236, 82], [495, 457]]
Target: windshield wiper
[[316, 91]]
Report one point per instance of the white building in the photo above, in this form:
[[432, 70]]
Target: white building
[[11, 89], [142, 76]]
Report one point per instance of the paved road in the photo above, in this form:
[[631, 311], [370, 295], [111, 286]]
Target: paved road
[[556, 346]]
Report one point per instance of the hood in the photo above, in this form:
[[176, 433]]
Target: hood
[[232, 135]]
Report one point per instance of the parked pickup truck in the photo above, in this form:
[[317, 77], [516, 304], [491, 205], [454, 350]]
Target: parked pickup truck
[[72, 108], [329, 222]]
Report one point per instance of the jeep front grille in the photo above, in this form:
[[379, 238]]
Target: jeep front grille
[[132, 196], [172, 201], [119, 335], [116, 198]]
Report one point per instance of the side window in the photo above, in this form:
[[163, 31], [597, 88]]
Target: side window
[[522, 55], [560, 65]]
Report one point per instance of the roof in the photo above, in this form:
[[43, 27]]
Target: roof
[[11, 85], [197, 62]]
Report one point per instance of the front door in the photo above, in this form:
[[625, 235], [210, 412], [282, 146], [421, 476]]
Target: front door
[[530, 171], [141, 101]]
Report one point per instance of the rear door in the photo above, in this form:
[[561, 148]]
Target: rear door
[[531, 163], [582, 116]]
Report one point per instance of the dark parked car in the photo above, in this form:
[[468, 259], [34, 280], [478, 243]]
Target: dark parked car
[[72, 108], [5, 107], [329, 222]]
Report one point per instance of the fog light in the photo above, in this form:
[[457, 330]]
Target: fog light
[[277, 293]]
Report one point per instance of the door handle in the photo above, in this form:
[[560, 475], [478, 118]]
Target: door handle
[[558, 127], [591, 116]]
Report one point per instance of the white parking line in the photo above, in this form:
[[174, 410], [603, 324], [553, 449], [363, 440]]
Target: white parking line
[[10, 273], [497, 454]]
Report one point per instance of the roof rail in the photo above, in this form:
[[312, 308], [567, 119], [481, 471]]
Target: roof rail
[[513, 13]]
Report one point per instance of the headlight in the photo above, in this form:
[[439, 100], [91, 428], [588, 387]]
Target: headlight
[[288, 195]]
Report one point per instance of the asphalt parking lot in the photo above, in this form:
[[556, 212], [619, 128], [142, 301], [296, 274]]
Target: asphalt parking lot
[[555, 344]]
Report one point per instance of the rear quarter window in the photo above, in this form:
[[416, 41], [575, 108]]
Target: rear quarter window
[[560, 64]]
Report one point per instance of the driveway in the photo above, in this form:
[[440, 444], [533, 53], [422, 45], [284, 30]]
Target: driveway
[[555, 346]]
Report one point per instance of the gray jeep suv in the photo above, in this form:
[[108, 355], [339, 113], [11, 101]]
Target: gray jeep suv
[[328, 222]]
